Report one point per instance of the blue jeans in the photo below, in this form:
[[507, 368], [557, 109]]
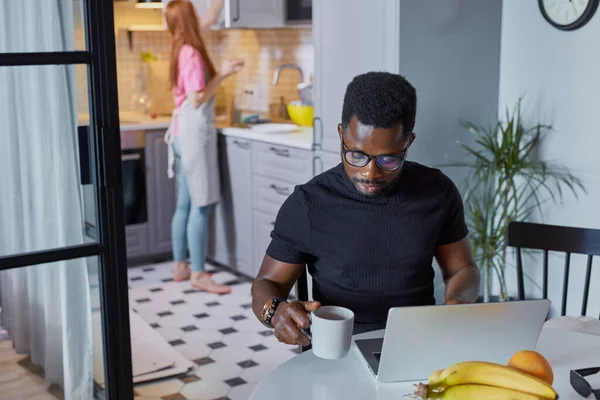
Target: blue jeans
[[189, 226]]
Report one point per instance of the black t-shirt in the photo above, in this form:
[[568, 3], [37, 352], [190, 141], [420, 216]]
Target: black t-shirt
[[369, 254]]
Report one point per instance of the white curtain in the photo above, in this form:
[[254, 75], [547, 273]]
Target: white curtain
[[45, 309]]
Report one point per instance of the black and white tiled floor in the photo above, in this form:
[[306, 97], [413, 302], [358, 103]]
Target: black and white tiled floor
[[219, 333]]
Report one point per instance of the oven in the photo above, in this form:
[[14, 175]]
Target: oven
[[133, 168]]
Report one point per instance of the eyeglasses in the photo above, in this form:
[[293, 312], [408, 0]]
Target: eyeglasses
[[386, 162], [581, 385]]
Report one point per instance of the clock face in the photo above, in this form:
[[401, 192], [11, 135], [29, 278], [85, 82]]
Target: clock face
[[568, 14]]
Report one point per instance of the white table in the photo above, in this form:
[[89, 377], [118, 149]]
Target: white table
[[307, 377]]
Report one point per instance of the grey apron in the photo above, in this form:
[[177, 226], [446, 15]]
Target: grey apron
[[198, 142]]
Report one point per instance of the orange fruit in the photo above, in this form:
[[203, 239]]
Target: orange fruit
[[533, 363]]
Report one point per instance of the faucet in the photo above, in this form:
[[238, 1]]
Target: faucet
[[286, 66]]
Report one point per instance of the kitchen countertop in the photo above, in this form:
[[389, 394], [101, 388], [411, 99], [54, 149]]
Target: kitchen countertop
[[158, 123], [134, 121], [301, 139]]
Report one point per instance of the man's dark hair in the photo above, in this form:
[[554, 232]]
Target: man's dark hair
[[380, 100]]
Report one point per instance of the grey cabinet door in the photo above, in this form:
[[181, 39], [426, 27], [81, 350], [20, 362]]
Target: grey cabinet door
[[254, 14], [202, 7], [324, 161], [161, 193], [282, 162], [341, 53], [221, 242], [239, 161], [269, 194], [231, 232], [263, 225], [136, 240]]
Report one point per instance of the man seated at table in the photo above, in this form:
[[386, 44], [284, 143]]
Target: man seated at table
[[369, 228]]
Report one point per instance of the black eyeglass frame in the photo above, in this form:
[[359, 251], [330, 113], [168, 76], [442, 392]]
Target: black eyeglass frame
[[581, 385], [401, 158]]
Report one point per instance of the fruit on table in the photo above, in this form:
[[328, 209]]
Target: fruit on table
[[481, 392], [436, 377], [533, 363], [488, 374]]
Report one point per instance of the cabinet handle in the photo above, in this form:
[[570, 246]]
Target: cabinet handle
[[320, 140], [237, 11], [280, 190], [280, 152], [320, 160], [130, 157], [242, 145]]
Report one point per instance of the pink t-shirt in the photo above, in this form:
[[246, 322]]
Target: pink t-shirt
[[191, 76]]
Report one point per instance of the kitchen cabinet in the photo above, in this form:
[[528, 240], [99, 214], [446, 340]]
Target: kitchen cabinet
[[201, 6], [269, 194], [324, 161], [231, 241], [263, 225], [136, 239], [256, 179], [259, 14], [282, 162], [341, 53], [220, 249], [254, 14], [161, 193], [219, 245], [277, 170]]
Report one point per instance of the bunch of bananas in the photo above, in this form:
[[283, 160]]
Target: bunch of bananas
[[483, 380]]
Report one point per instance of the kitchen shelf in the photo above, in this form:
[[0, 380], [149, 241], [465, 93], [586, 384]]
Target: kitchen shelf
[[142, 28]]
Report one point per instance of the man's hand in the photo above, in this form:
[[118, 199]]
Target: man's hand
[[290, 317]]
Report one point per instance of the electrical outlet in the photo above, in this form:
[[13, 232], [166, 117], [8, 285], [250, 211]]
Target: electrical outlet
[[253, 98], [260, 99], [246, 97]]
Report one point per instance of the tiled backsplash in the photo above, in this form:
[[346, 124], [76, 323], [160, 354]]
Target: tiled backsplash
[[263, 50]]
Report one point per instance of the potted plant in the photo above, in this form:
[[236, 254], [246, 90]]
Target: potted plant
[[506, 182]]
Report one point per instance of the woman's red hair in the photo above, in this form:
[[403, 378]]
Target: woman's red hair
[[184, 26]]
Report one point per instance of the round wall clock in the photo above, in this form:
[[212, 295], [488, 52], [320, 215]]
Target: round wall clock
[[568, 15]]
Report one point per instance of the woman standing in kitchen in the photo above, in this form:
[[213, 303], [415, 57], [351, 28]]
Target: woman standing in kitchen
[[192, 139]]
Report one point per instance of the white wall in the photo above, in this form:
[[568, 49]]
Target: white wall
[[559, 75]]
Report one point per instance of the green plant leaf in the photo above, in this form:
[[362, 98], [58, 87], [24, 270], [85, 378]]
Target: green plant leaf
[[505, 182]]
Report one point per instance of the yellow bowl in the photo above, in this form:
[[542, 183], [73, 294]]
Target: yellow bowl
[[300, 114]]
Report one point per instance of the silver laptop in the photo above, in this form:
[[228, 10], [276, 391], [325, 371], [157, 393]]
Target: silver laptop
[[421, 340]]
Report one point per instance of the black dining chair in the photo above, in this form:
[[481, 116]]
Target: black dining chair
[[302, 295], [302, 286], [553, 238]]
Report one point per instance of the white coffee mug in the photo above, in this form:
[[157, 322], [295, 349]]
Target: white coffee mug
[[331, 331]]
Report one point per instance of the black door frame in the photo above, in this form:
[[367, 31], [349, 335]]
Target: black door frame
[[100, 58]]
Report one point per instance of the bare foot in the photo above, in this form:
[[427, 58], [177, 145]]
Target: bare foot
[[203, 281], [182, 271]]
